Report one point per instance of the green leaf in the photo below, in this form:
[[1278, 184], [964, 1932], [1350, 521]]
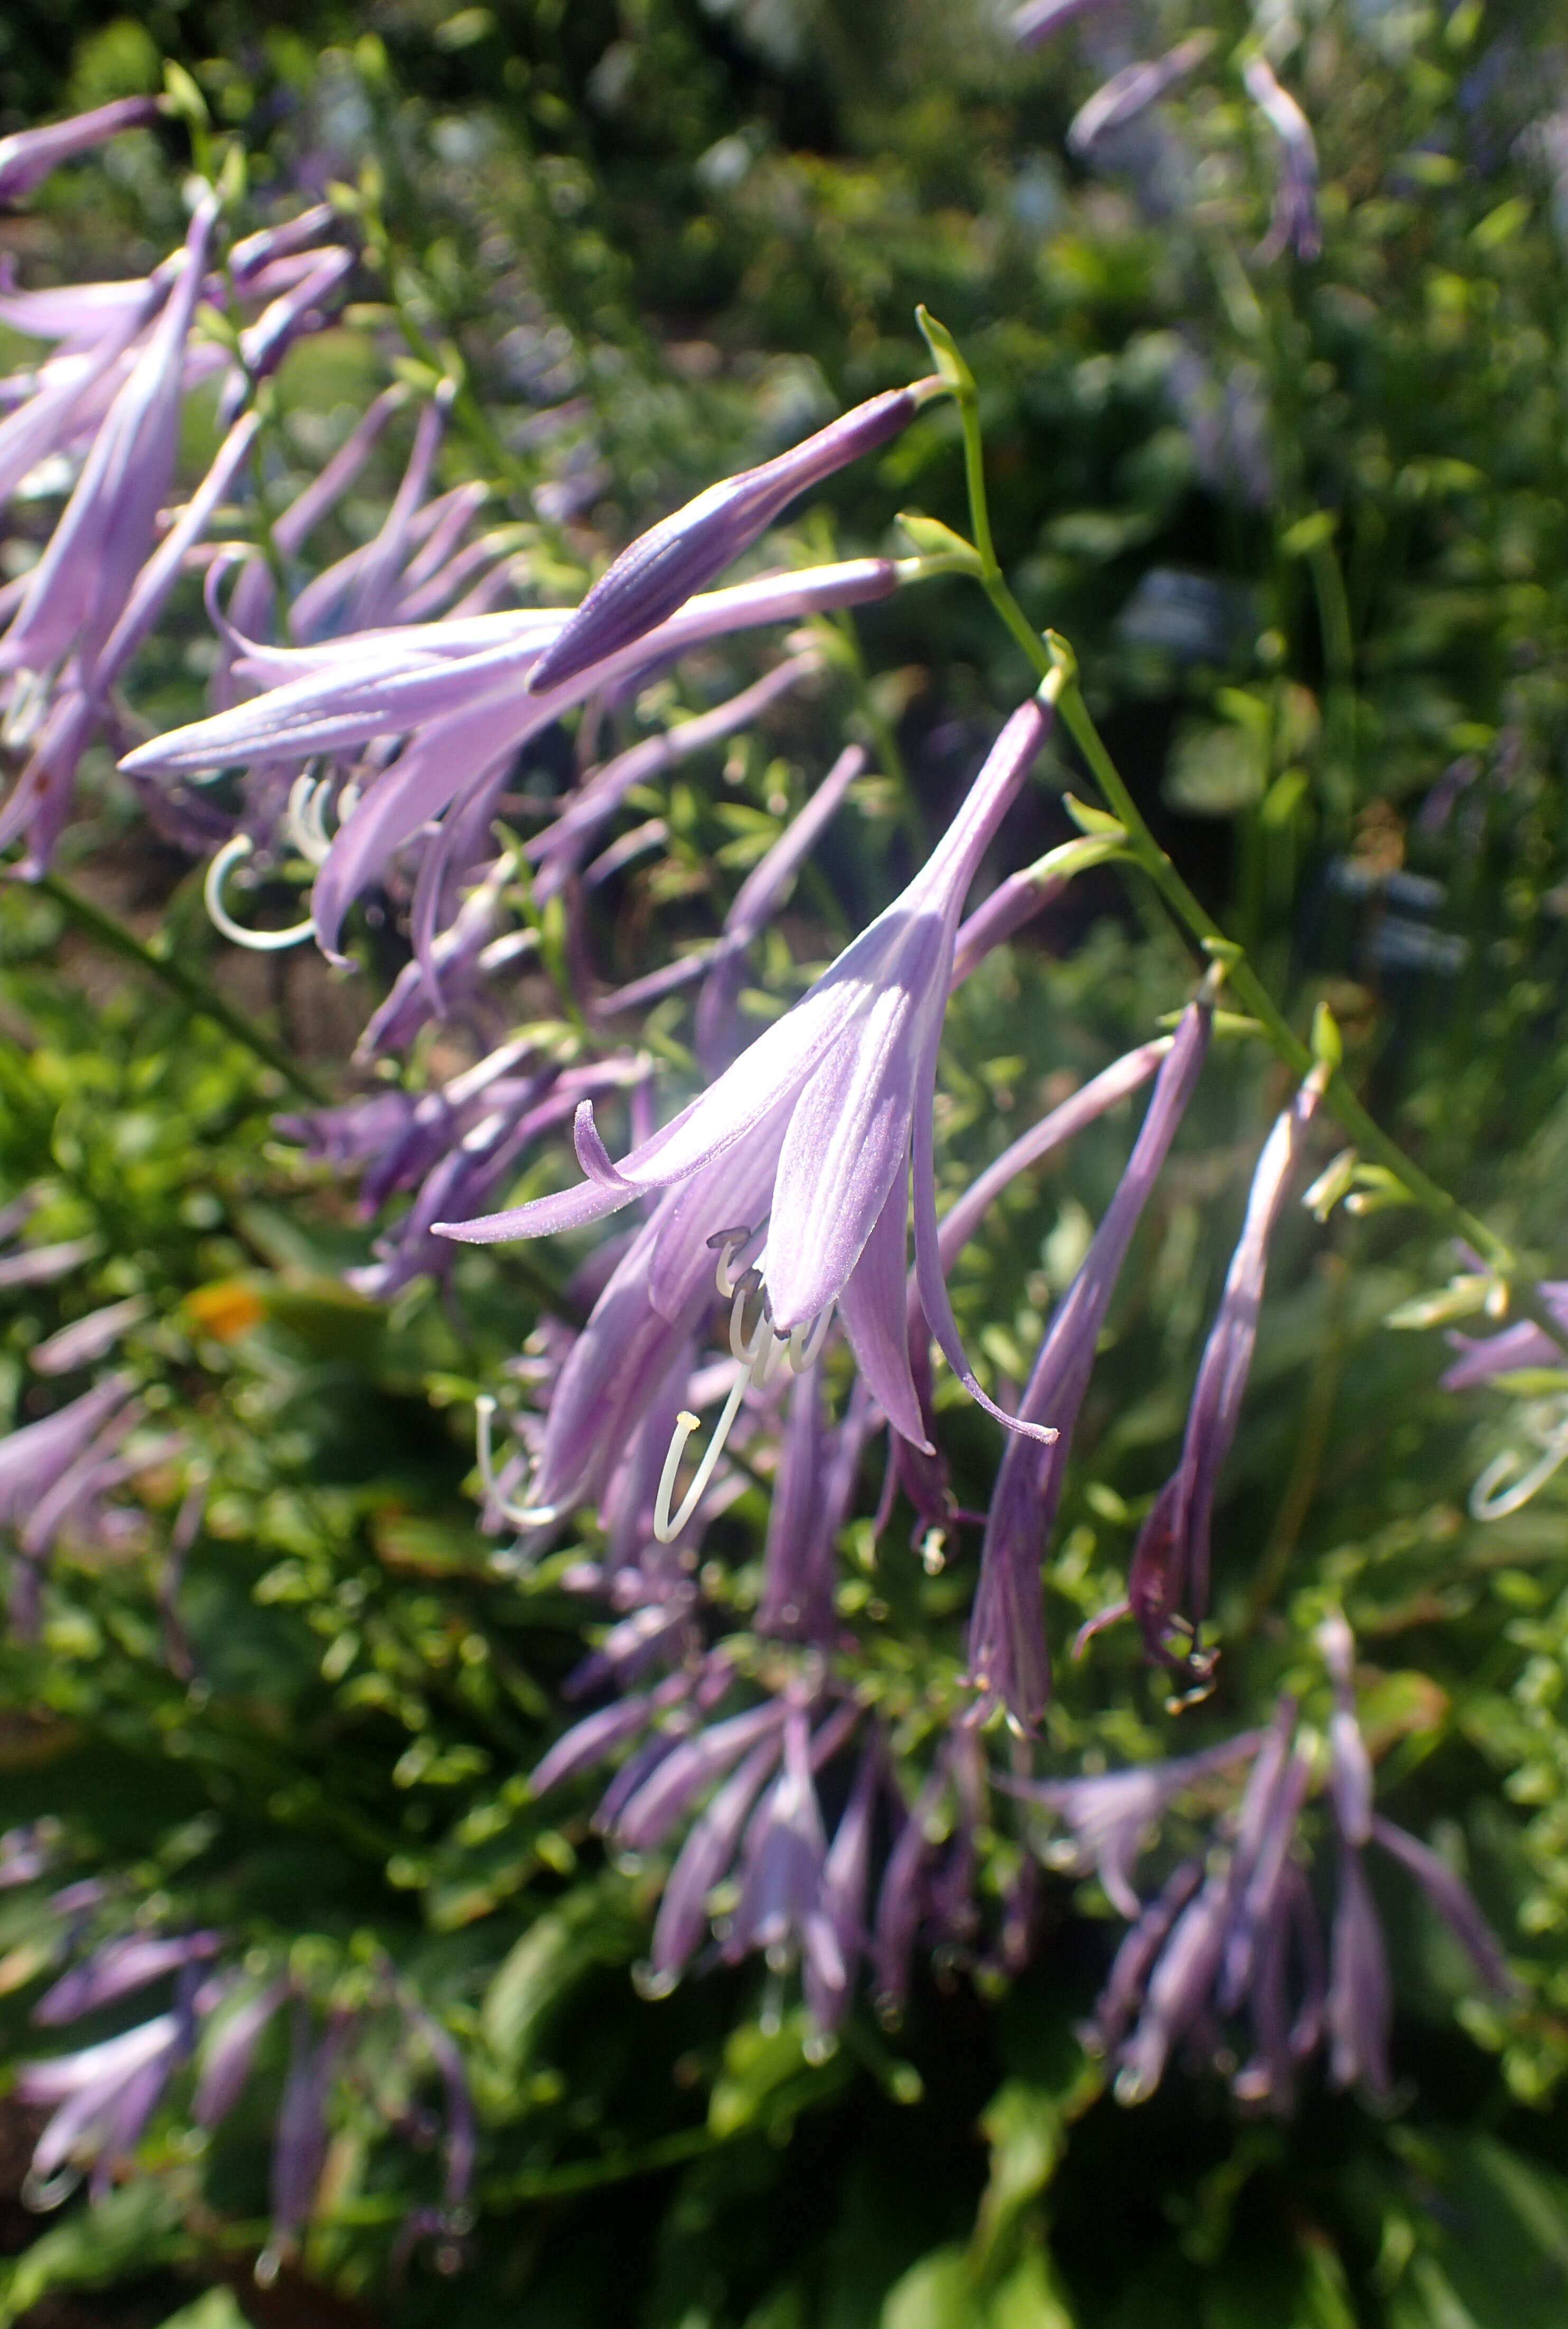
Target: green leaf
[[124, 2233], [593, 1926]]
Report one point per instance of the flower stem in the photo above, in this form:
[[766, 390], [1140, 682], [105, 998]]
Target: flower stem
[[180, 980], [1048, 655]]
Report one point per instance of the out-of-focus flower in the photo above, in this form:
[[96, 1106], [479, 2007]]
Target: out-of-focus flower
[[1295, 225], [1037, 20], [1131, 91], [27, 157], [1235, 1930]]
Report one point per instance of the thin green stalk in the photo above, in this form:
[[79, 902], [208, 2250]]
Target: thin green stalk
[[179, 979], [1051, 657]]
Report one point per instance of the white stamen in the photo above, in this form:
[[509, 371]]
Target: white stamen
[[806, 1340], [729, 1242], [666, 1526], [1547, 1425], [233, 853], [517, 1516]]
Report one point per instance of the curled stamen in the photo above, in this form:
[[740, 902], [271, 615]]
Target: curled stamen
[[306, 816], [728, 1243], [746, 1347], [233, 853], [517, 1516], [1547, 1425], [666, 1526], [806, 1340]]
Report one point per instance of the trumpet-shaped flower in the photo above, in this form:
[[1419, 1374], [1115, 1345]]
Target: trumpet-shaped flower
[[803, 1147]]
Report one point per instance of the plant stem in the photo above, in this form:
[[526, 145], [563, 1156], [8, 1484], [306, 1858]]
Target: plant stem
[[1050, 656], [179, 979]]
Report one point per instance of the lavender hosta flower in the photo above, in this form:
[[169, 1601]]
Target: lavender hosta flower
[[87, 1340], [928, 1879], [702, 1864], [456, 692], [1238, 1932], [923, 1477], [27, 157], [1130, 92], [121, 1966], [1037, 20], [78, 588], [1168, 1577], [1009, 1662], [300, 2137], [779, 1915], [682, 554], [1488, 1358], [295, 311], [1295, 225], [463, 958], [829, 1973], [1112, 1816], [229, 2051], [101, 2099], [795, 1166], [43, 1265], [558, 852]]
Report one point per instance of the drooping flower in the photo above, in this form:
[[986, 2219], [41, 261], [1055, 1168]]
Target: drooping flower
[[1295, 225], [456, 691], [798, 1157], [28, 157], [663, 568], [1235, 1932], [1168, 1578], [1009, 1662], [1130, 92]]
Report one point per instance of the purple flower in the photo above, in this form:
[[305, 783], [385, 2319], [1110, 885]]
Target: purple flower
[[818, 1464], [1238, 1932], [799, 1155], [1009, 1664], [229, 2051], [830, 1970], [77, 590], [31, 155], [1113, 1816], [102, 2098], [1295, 225], [663, 568], [1169, 1572], [456, 691], [87, 1339], [1133, 90], [1037, 20], [121, 1966], [300, 2137]]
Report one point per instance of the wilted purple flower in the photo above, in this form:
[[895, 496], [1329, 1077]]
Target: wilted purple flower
[[1133, 90], [1295, 225], [799, 1155], [663, 568], [1168, 1579], [29, 155], [1009, 1664]]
